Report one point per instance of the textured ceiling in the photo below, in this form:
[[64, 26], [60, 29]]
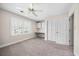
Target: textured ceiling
[[47, 9]]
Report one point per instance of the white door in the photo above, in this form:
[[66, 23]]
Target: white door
[[52, 30], [49, 28], [57, 30]]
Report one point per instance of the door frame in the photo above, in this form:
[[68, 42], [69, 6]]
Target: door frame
[[72, 16]]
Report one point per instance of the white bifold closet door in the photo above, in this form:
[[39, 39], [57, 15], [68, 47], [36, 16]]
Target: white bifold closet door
[[58, 30], [52, 29]]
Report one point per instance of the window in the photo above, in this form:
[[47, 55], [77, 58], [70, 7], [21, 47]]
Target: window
[[20, 26]]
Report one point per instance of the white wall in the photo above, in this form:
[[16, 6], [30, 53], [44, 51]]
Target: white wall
[[76, 32], [5, 32], [58, 24], [75, 10]]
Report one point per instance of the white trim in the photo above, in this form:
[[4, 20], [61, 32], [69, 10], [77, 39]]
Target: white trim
[[64, 43], [76, 54], [5, 45]]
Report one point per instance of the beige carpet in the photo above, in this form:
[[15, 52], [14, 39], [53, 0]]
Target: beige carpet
[[36, 47]]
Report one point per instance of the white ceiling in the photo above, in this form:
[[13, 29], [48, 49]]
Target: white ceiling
[[48, 9]]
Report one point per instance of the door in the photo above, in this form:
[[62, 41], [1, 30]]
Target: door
[[57, 30], [53, 30], [49, 28]]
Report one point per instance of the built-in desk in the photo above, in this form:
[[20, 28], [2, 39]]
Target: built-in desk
[[40, 34]]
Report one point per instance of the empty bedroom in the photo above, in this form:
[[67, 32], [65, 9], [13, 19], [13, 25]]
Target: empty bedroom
[[39, 29]]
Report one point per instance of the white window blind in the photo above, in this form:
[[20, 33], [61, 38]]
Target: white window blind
[[20, 26]]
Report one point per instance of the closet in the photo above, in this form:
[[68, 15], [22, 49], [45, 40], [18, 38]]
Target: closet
[[58, 30]]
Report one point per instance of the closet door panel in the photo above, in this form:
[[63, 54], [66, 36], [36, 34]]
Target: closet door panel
[[53, 30], [49, 30]]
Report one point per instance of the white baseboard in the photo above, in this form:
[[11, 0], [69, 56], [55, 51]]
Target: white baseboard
[[76, 54], [60, 42], [64, 43], [8, 44]]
